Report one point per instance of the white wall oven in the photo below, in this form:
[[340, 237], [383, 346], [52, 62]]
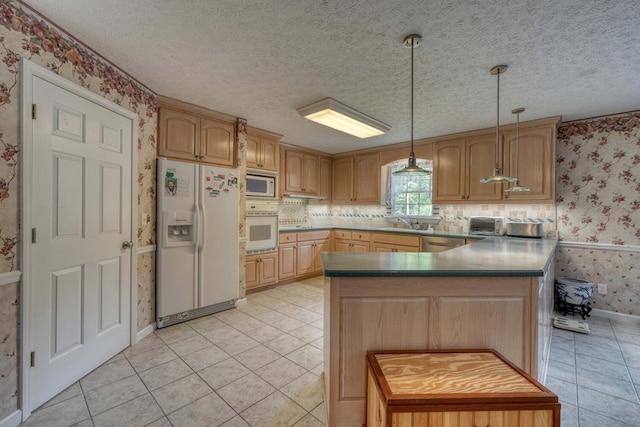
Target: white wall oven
[[262, 226]]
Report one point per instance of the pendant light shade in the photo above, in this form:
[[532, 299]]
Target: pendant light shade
[[412, 41], [517, 188], [497, 176]]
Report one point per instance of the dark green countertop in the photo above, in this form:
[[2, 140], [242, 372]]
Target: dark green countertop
[[519, 257]]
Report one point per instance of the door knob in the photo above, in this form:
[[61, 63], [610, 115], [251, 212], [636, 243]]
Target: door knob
[[127, 245]]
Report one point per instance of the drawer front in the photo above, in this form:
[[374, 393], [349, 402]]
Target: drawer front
[[396, 239], [313, 235], [360, 236], [288, 237], [342, 234]]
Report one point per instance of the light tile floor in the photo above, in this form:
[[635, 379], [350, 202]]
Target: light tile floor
[[260, 366]]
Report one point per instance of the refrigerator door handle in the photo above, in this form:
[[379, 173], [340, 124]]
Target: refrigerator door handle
[[201, 228]]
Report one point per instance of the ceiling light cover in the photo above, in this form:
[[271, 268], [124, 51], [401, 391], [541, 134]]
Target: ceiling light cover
[[339, 116], [412, 41], [497, 176]]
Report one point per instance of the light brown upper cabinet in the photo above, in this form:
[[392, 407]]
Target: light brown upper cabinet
[[262, 149], [459, 164], [188, 132], [535, 162], [325, 179], [356, 179], [302, 173]]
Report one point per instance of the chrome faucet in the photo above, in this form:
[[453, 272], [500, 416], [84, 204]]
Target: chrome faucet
[[415, 226]]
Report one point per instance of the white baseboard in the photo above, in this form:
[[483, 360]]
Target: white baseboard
[[12, 420], [614, 315], [145, 332], [240, 302]]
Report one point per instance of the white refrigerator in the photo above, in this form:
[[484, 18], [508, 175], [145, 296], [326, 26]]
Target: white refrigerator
[[197, 261]]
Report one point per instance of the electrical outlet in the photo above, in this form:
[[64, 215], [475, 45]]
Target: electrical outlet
[[143, 219], [602, 288]]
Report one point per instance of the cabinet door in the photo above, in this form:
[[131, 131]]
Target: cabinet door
[[481, 161], [268, 269], [381, 247], [253, 150], [449, 171], [251, 272], [325, 179], [366, 171], [304, 258], [534, 165], [342, 187], [178, 136], [287, 261], [357, 246], [490, 322], [269, 154], [294, 171], [311, 174], [217, 142], [323, 245], [342, 245]]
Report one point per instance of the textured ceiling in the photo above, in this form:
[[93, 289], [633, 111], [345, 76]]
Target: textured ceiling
[[262, 59]]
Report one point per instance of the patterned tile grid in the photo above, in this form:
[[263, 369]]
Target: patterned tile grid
[[258, 365], [619, 270], [598, 180], [373, 216], [597, 376], [24, 35], [541, 213], [348, 215], [8, 348]]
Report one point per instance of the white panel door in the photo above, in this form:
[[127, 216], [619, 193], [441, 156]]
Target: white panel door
[[79, 293]]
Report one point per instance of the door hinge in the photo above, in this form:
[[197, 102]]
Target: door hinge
[[34, 111], [33, 235], [33, 359]]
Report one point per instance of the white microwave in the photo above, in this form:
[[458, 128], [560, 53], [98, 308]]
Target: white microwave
[[261, 185]]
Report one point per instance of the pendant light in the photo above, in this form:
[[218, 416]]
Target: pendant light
[[497, 176], [412, 41], [517, 187]]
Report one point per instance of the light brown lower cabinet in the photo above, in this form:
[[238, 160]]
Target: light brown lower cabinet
[[261, 270], [394, 242], [351, 241], [449, 388], [299, 253], [405, 313], [287, 260]]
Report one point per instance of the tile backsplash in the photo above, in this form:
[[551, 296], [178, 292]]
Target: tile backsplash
[[455, 218]]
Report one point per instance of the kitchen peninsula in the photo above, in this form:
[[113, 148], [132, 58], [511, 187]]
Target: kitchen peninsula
[[496, 293]]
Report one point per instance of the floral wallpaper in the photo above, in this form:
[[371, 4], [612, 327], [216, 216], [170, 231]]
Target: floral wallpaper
[[598, 180], [598, 202], [241, 139], [620, 270], [8, 349], [146, 290], [23, 34]]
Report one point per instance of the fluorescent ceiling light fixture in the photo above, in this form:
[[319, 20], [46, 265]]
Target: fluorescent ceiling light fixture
[[336, 115]]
